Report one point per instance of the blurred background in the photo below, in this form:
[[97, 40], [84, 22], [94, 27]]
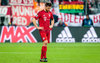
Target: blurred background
[[70, 16], [75, 37], [12, 11]]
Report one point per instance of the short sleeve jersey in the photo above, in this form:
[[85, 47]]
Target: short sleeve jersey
[[44, 19]]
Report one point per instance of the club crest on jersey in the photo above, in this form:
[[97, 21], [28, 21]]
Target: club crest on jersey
[[43, 38], [45, 18]]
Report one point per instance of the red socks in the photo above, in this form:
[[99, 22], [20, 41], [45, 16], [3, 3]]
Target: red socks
[[43, 52]]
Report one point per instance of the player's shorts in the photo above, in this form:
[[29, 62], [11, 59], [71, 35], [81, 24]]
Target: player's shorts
[[45, 35]]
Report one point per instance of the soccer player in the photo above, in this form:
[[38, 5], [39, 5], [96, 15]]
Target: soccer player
[[44, 28]]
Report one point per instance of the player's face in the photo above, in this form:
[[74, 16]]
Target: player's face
[[47, 8], [87, 17]]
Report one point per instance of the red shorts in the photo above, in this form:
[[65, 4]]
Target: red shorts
[[45, 35]]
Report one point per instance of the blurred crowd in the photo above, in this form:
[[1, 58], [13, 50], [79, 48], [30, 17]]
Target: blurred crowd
[[4, 2], [90, 7], [93, 6]]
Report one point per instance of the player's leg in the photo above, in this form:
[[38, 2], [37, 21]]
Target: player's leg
[[45, 42], [43, 51], [48, 36], [44, 47]]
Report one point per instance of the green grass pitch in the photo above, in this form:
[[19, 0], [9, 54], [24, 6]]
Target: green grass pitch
[[56, 52]]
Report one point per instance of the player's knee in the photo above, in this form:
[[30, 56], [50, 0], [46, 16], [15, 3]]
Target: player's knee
[[45, 42]]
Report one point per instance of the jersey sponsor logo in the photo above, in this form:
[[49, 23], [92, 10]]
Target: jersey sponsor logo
[[90, 36], [17, 34], [65, 36]]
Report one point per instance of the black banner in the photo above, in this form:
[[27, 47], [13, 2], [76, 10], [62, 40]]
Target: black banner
[[24, 34], [76, 34]]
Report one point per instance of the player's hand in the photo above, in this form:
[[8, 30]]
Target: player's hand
[[51, 26], [40, 28]]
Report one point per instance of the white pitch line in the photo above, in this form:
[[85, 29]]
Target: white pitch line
[[17, 52]]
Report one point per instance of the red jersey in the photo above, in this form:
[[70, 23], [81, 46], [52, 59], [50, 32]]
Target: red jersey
[[44, 19]]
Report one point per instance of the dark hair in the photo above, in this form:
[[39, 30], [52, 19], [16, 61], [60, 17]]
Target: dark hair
[[87, 14], [48, 4]]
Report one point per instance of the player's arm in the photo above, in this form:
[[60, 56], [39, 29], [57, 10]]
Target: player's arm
[[34, 22], [52, 23]]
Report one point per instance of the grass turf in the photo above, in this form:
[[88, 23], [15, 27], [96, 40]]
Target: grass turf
[[56, 53]]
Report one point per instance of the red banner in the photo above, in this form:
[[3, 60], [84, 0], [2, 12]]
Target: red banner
[[73, 2], [5, 10], [22, 15], [17, 34], [21, 2]]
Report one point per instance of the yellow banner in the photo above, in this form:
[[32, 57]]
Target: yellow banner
[[73, 6]]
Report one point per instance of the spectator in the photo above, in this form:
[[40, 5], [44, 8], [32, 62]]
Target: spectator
[[88, 7], [38, 2], [87, 21], [60, 1], [2, 18], [55, 18], [4, 2], [0, 2], [60, 23], [52, 2]]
